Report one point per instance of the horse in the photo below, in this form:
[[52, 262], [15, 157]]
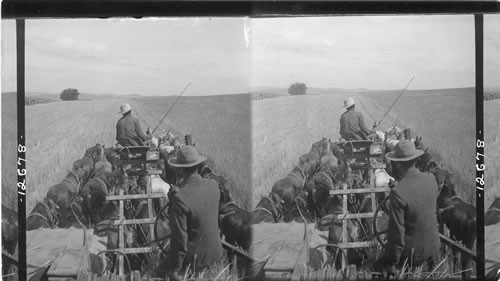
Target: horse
[[269, 209], [74, 216], [43, 215], [458, 216], [492, 215], [318, 188], [234, 221], [299, 212], [292, 186], [9, 229], [95, 191], [112, 158], [168, 152], [67, 189], [425, 163], [418, 143], [235, 225], [94, 153], [9, 238], [321, 148]]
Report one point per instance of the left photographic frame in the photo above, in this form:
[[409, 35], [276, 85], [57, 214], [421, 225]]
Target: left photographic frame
[[111, 106]]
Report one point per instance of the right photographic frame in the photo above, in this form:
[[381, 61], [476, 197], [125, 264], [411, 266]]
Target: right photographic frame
[[363, 143]]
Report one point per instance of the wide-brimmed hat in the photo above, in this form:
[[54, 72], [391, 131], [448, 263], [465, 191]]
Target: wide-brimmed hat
[[186, 157], [124, 108], [404, 151], [348, 102]]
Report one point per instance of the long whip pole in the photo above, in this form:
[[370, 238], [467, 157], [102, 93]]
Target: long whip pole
[[164, 116], [377, 124]]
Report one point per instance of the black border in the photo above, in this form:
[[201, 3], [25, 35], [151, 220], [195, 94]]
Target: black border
[[478, 26], [162, 8], [21, 150]]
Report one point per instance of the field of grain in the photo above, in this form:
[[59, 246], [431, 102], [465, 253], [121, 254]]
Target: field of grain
[[9, 152], [492, 151], [284, 128], [446, 121], [58, 133]]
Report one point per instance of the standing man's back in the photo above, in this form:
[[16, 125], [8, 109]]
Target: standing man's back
[[417, 194], [193, 219], [413, 228], [199, 198]]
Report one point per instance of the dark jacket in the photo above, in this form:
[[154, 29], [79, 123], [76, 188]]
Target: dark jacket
[[193, 218], [413, 222], [353, 127], [129, 131]]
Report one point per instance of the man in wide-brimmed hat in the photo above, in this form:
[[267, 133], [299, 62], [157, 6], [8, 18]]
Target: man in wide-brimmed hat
[[352, 123], [193, 218], [128, 129], [413, 227]]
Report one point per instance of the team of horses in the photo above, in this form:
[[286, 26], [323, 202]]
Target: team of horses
[[303, 195], [79, 200]]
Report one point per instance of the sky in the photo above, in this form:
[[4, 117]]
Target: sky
[[129, 56], [232, 55], [491, 50], [377, 52]]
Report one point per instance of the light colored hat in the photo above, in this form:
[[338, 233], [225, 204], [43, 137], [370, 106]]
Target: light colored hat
[[186, 157], [124, 108], [348, 102], [404, 151]]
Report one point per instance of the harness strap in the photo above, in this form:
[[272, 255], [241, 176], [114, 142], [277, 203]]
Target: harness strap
[[101, 181], [451, 206], [222, 216], [230, 203], [36, 214], [77, 181], [330, 180], [494, 209], [263, 209], [317, 149], [302, 173], [51, 219]]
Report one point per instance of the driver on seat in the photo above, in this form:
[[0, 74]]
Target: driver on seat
[[352, 124], [128, 129]]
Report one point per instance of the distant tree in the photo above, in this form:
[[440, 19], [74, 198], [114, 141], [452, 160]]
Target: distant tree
[[69, 94], [297, 89]]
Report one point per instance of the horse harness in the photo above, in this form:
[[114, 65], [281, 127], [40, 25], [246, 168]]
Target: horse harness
[[51, 219], [104, 182], [328, 174], [77, 181], [302, 173], [231, 212], [494, 209], [451, 206], [317, 149], [274, 208]]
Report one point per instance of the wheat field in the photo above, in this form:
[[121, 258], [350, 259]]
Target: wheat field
[[285, 127], [9, 150], [445, 119], [491, 151], [58, 133]]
